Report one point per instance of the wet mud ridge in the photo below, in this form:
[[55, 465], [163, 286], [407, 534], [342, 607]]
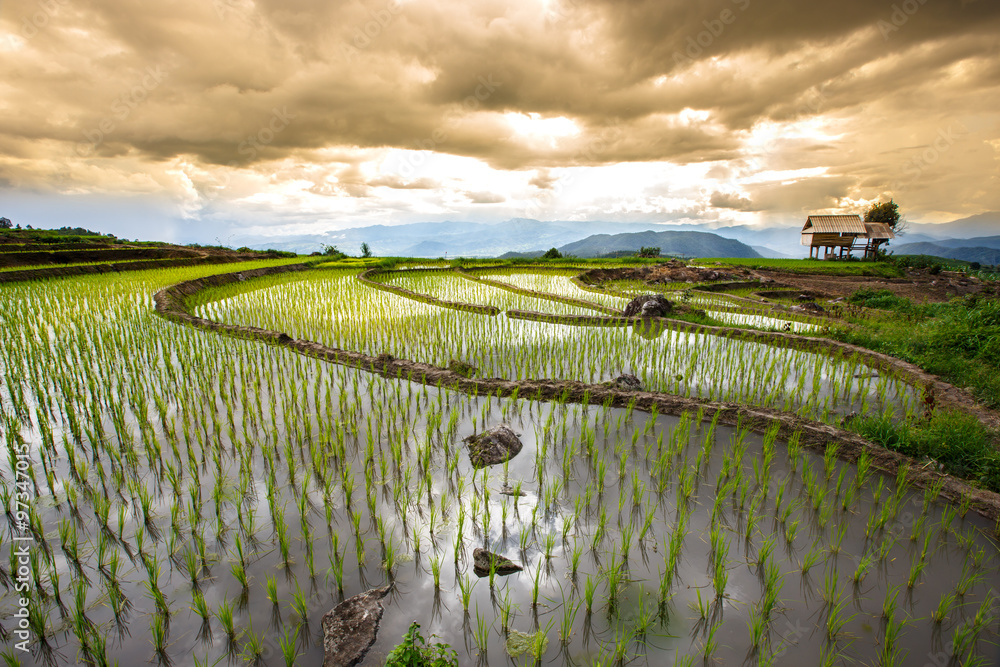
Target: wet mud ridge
[[669, 272], [368, 278], [537, 294], [945, 395], [171, 303]]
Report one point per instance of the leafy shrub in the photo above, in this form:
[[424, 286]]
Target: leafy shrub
[[552, 253], [415, 651], [989, 476]]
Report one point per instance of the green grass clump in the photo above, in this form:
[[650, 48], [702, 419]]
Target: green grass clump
[[959, 442], [415, 651], [880, 298], [935, 264]]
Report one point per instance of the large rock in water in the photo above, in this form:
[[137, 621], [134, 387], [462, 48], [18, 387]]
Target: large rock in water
[[483, 560], [648, 305], [349, 629], [494, 446]]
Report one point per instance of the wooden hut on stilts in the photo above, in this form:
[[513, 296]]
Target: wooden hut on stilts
[[840, 234]]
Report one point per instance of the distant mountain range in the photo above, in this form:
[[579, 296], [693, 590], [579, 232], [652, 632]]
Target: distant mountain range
[[991, 242], [684, 244], [457, 239], [983, 224], [985, 249], [521, 235]]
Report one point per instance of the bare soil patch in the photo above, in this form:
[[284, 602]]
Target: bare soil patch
[[671, 272], [919, 285]]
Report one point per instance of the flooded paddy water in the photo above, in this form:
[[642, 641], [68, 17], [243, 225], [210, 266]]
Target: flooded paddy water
[[201, 499], [335, 309]]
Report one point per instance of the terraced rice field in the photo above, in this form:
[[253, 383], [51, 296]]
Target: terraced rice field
[[187, 497], [670, 359]]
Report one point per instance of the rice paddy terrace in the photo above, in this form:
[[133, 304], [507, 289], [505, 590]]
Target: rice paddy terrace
[[37, 254], [204, 460]]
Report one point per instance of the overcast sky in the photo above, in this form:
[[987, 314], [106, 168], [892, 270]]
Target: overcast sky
[[185, 118]]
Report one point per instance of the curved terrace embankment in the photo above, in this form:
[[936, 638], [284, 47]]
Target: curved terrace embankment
[[172, 303], [568, 300], [367, 278]]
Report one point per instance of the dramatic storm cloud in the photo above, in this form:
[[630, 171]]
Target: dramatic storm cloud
[[292, 115]]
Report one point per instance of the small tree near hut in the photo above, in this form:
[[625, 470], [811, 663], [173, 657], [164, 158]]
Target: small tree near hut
[[887, 212], [5, 223]]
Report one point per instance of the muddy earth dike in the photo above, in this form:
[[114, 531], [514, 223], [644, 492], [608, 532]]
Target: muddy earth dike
[[369, 278], [945, 395], [778, 311], [171, 303], [465, 273], [673, 271], [590, 281]]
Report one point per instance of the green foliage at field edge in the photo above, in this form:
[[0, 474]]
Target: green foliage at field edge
[[957, 441], [958, 340]]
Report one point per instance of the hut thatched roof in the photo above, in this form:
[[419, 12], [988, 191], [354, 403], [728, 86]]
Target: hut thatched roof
[[834, 224]]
